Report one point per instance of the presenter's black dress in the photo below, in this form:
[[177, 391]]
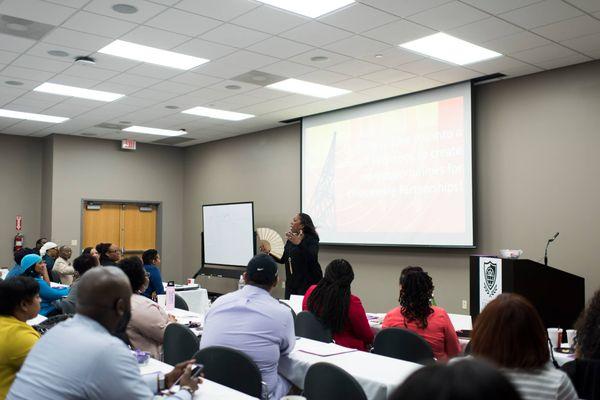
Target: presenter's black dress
[[302, 267]]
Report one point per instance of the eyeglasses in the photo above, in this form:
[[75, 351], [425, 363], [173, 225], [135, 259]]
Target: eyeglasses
[[114, 251]]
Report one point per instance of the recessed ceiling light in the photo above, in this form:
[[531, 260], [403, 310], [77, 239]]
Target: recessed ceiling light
[[152, 55], [154, 131], [124, 8], [319, 58], [218, 114], [308, 88], [450, 49], [73, 91], [309, 8], [172, 107], [31, 117], [14, 83], [233, 87], [58, 53]]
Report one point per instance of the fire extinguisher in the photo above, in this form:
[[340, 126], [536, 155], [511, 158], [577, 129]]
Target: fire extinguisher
[[19, 239]]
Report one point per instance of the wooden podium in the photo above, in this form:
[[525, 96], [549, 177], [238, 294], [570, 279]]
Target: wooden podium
[[557, 295]]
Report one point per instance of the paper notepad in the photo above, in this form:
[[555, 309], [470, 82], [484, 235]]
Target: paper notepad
[[321, 349], [461, 322]]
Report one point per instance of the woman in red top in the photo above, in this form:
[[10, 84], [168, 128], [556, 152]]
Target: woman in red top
[[415, 313], [340, 311]]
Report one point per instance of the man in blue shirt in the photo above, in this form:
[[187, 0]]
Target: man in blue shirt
[[80, 359], [252, 321], [151, 259]]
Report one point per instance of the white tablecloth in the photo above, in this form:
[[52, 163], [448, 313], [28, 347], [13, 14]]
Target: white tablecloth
[[3, 273], [206, 390], [197, 300], [379, 376]]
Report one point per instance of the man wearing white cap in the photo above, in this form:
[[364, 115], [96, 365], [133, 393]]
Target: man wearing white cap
[[49, 253]]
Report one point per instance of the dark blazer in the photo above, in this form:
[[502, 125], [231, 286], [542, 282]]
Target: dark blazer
[[302, 267]]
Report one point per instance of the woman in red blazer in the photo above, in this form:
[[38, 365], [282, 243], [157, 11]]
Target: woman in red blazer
[[342, 312]]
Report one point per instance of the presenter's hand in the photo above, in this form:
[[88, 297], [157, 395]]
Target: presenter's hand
[[295, 238]]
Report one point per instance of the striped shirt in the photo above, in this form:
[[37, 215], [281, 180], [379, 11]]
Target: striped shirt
[[547, 383]]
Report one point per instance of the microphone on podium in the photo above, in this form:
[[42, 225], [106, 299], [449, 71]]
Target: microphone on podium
[[548, 244]]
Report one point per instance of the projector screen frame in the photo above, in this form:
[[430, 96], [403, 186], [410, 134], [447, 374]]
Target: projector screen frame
[[473, 174], [204, 263]]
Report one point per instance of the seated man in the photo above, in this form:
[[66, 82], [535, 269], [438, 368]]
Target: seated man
[[252, 321], [80, 359]]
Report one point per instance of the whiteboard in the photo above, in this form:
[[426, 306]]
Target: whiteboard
[[228, 233]]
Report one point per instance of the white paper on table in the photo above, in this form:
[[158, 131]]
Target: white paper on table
[[296, 303], [321, 349], [461, 322], [37, 320]]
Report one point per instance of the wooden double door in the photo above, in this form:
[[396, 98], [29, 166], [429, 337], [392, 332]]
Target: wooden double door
[[130, 226]]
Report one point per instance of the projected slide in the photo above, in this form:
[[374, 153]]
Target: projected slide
[[396, 172]]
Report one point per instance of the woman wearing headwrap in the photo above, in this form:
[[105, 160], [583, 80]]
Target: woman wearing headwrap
[[34, 266]]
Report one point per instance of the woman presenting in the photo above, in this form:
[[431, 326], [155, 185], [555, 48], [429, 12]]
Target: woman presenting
[[300, 256]]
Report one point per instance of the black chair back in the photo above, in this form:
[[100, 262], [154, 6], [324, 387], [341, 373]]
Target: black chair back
[[326, 381], [180, 303], [291, 309], [179, 344], [308, 326], [403, 345], [231, 368], [585, 375]]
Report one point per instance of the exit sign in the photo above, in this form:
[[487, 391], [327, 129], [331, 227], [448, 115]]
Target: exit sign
[[128, 144]]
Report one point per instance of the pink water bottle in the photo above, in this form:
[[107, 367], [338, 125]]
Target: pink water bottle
[[170, 292]]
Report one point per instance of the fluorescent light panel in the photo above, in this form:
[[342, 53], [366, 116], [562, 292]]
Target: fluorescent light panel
[[154, 131], [218, 114], [31, 117], [307, 88], [73, 91], [448, 48], [309, 8], [152, 55]]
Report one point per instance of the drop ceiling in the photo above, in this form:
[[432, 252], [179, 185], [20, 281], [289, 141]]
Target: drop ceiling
[[355, 48]]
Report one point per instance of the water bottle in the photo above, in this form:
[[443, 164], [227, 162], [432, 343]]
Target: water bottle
[[170, 292], [241, 283]]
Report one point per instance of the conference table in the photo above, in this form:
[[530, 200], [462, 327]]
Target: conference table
[[379, 376], [195, 297], [206, 390]]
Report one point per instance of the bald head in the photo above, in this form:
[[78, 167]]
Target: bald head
[[104, 295]]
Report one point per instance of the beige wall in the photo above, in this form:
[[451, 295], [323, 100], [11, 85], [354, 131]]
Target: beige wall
[[97, 169], [536, 143]]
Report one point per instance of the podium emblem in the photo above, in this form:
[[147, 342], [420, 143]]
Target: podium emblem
[[491, 278]]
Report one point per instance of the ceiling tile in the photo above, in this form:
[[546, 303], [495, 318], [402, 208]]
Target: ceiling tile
[[405, 7], [67, 110], [204, 49], [456, 74], [235, 64], [153, 95], [587, 5], [15, 44], [324, 77], [570, 28], [116, 88], [146, 10], [357, 46], [485, 30], [172, 87], [358, 18], [233, 35], [8, 94], [270, 20], [424, 66], [36, 10], [418, 83], [197, 80], [355, 67], [71, 80], [120, 64], [69, 3], [7, 56], [356, 84], [90, 72], [524, 70], [543, 53], [153, 37], [499, 64], [398, 32], [77, 40], [516, 42], [287, 68], [392, 57], [267, 94], [382, 92], [278, 47], [316, 34], [41, 50], [448, 16], [564, 61], [223, 10], [27, 73], [388, 76], [97, 24], [26, 86], [155, 71], [584, 44], [41, 63], [183, 22], [497, 7], [134, 80], [244, 87], [332, 58], [543, 13]]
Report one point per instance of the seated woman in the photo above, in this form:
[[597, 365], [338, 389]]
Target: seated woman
[[510, 333], [148, 320], [342, 312], [81, 265], [151, 259], [63, 267], [34, 267], [109, 254], [19, 302], [416, 313]]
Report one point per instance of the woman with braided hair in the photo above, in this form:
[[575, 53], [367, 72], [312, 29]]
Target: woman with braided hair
[[416, 313], [333, 303]]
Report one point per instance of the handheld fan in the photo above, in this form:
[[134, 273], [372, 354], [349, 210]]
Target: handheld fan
[[273, 239]]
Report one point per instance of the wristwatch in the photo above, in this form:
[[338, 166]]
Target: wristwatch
[[189, 389]]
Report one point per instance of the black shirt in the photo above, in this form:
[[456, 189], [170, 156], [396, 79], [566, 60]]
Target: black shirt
[[302, 267]]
